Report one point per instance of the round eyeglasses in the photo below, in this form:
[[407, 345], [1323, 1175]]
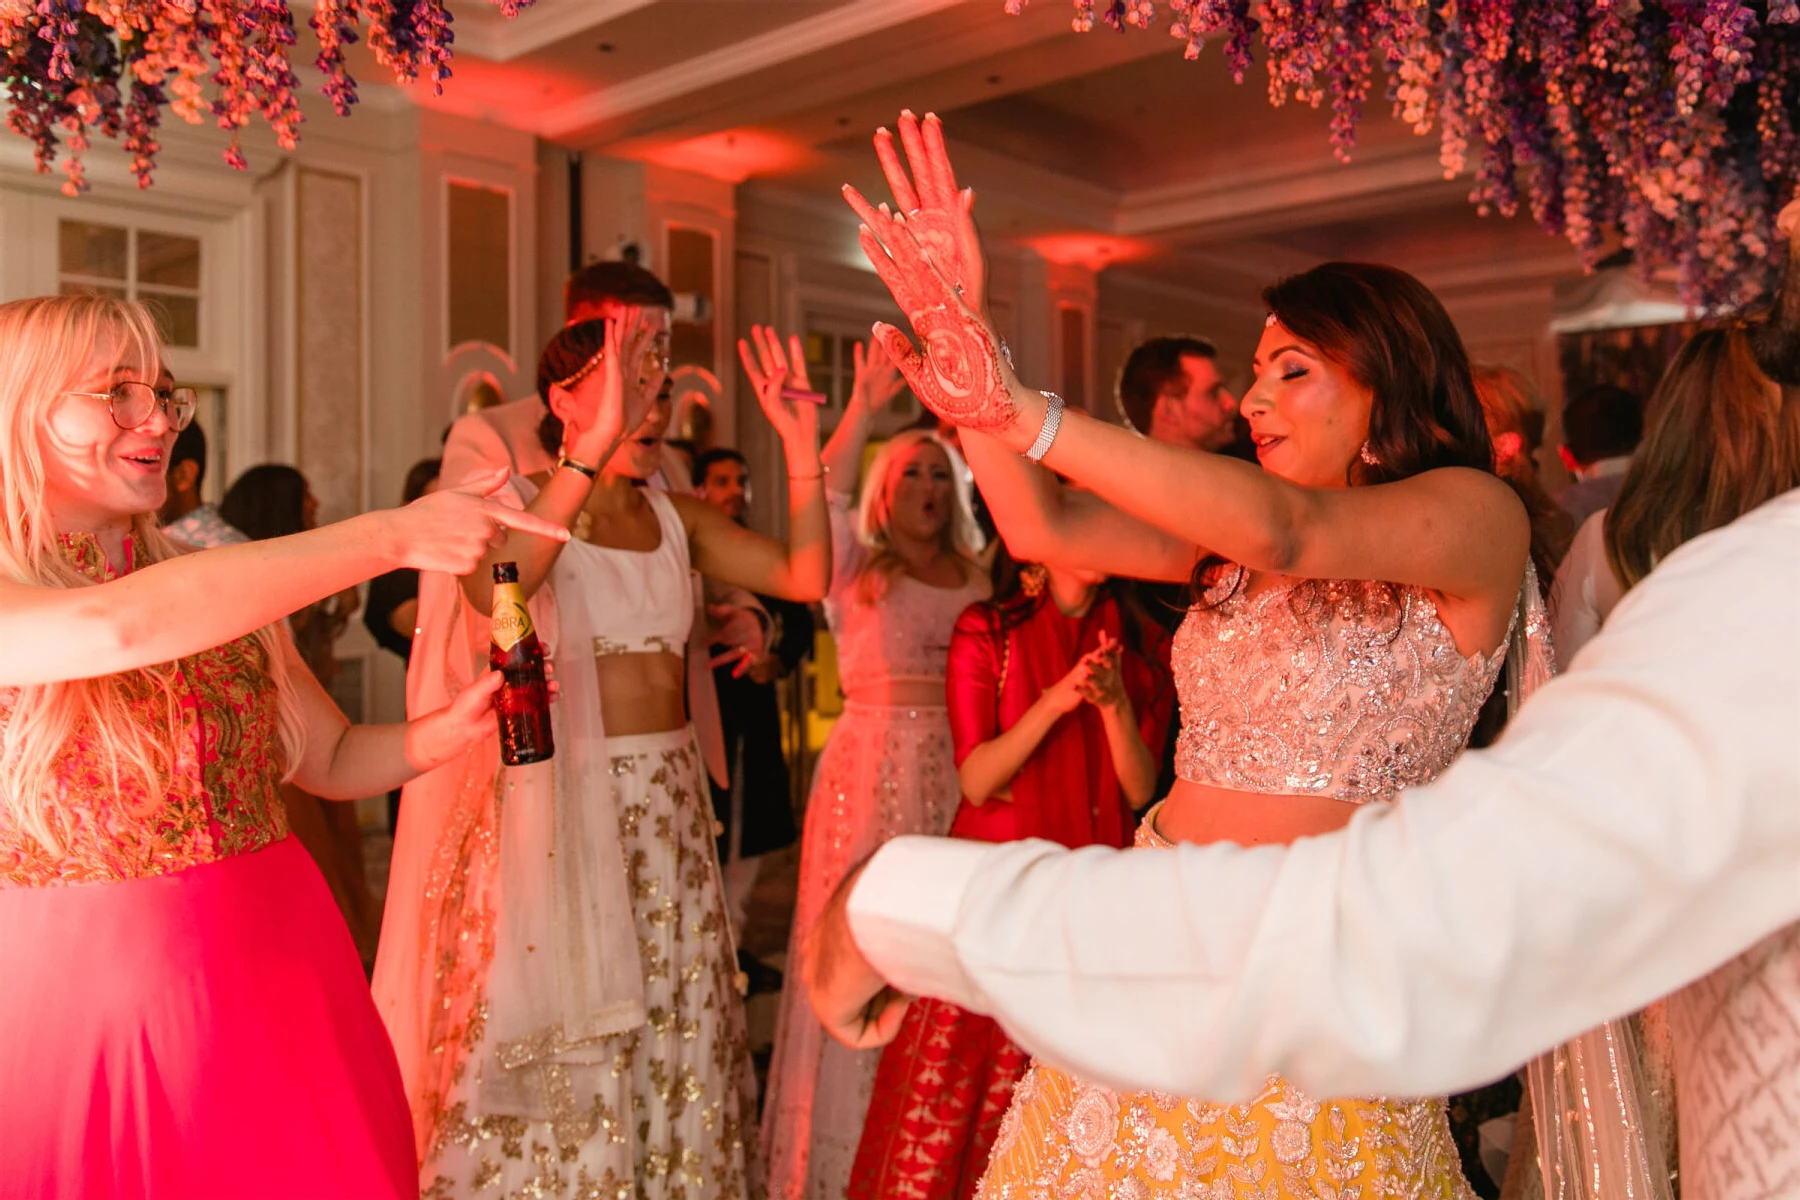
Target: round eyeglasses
[[131, 403]]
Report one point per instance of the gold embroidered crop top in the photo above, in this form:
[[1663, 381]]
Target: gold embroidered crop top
[[1339, 688], [218, 714]]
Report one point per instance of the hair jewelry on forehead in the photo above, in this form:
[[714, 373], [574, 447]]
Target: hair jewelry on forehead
[[586, 369]]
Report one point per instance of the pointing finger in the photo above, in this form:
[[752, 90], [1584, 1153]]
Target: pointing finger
[[524, 522]]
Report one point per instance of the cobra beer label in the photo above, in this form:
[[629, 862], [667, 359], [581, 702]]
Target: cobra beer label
[[512, 620]]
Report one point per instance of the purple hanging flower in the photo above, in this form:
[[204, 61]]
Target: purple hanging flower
[[66, 65]]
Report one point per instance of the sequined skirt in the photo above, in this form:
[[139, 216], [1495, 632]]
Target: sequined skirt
[[202, 1033], [673, 1114], [885, 771], [1067, 1139]]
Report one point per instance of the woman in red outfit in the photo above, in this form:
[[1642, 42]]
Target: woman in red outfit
[[1059, 695]]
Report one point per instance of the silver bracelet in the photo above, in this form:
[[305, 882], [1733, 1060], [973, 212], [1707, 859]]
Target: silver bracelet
[[1052, 423]]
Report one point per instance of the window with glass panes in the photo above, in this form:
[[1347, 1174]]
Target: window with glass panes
[[160, 269], [831, 367]]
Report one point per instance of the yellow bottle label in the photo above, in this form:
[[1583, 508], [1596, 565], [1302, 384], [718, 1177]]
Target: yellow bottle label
[[512, 620]]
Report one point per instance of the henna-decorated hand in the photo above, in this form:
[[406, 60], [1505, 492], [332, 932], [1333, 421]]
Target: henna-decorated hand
[[940, 214], [961, 374], [771, 370]]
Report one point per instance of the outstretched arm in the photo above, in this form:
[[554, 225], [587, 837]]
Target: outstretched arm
[[191, 603], [1043, 520], [800, 568]]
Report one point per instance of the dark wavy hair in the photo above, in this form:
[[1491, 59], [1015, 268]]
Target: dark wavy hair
[[1393, 336], [265, 502]]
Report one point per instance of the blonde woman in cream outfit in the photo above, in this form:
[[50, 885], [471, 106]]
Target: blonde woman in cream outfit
[[903, 569]]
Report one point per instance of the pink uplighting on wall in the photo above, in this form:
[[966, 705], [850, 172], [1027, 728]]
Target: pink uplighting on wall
[[732, 155], [1095, 251]]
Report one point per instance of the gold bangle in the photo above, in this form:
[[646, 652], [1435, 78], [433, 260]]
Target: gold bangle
[[577, 465]]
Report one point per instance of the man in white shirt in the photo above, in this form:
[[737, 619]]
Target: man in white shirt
[[1638, 825]]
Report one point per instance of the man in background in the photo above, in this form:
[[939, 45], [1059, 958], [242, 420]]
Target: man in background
[[1601, 427], [1170, 390]]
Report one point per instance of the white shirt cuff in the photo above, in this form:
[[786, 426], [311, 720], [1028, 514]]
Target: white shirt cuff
[[903, 914]]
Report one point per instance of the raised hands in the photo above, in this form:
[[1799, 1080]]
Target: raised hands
[[778, 376], [929, 256], [939, 214], [601, 406], [877, 378], [452, 529]]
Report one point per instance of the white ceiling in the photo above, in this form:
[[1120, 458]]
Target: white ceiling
[[1107, 142]]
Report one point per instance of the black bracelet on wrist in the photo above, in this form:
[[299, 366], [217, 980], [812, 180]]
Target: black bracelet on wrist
[[577, 465]]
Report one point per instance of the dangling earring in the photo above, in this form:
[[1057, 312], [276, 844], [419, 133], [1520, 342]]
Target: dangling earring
[[1032, 579], [1369, 456]]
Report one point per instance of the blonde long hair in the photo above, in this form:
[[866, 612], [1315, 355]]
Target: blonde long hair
[[45, 345], [961, 537]]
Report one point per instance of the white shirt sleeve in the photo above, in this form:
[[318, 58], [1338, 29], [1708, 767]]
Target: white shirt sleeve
[[1635, 827]]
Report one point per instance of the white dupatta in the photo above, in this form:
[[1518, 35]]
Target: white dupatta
[[508, 894]]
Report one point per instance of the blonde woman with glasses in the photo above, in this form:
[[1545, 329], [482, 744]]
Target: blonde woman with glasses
[[183, 1013]]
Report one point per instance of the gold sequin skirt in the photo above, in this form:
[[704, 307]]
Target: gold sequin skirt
[[674, 1116], [1066, 1139]]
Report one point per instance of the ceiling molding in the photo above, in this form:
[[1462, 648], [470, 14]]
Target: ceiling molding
[[857, 19], [1125, 279], [1244, 205], [503, 39]]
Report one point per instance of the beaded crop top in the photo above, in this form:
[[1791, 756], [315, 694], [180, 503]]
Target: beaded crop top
[[218, 715], [1348, 689]]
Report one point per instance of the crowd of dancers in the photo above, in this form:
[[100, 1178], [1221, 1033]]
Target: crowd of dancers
[[1229, 619]]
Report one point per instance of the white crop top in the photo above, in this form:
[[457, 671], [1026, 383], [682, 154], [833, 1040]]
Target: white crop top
[[639, 600]]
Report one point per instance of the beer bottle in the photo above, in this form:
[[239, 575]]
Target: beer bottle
[[523, 702]]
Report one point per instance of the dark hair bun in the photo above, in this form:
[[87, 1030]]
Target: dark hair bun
[[573, 347]]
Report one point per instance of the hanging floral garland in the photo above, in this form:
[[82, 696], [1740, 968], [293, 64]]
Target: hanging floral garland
[[1674, 124], [74, 67]]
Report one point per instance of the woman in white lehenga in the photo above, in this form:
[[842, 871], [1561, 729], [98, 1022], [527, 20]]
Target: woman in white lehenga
[[903, 569], [568, 1011]]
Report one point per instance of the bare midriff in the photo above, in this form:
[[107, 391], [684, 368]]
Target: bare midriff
[[898, 693], [642, 693], [1201, 813]]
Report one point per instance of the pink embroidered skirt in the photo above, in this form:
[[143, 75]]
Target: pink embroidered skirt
[[201, 1034]]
